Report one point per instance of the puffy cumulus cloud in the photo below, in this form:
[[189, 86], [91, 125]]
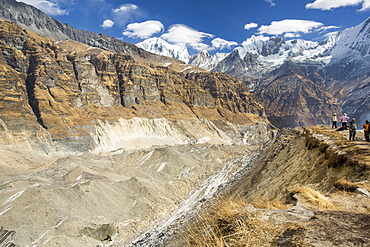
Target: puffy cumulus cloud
[[107, 24], [49, 7], [126, 13], [143, 30], [271, 2], [179, 33], [221, 44], [332, 4], [289, 26], [250, 25], [125, 8]]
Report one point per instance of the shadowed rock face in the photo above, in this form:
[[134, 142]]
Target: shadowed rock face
[[60, 91], [295, 96]]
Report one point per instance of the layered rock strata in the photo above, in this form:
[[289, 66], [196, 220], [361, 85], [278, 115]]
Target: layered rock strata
[[62, 93]]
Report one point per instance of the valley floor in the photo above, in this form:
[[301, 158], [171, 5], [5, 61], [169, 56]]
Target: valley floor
[[101, 199], [307, 187]]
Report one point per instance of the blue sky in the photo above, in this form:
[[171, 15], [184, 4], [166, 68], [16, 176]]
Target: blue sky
[[214, 25]]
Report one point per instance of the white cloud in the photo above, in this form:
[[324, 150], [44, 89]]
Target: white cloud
[[292, 35], [200, 46], [323, 29], [289, 26], [47, 6], [179, 33], [144, 29], [126, 13], [272, 4], [107, 24], [250, 25], [124, 8], [221, 44], [332, 4]]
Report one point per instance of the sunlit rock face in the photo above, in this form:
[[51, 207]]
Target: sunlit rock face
[[73, 98], [341, 60], [97, 145]]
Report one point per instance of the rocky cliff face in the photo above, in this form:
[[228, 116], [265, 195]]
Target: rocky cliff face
[[338, 66], [295, 96], [62, 90], [342, 60], [35, 20]]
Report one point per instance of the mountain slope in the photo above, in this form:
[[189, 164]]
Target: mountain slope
[[260, 55], [76, 94], [161, 47], [350, 53], [342, 61], [292, 98], [35, 20], [206, 61]]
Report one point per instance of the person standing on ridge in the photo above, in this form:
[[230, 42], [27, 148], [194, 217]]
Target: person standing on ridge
[[367, 130], [352, 130], [344, 120], [334, 119]]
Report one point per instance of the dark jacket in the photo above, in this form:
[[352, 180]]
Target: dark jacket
[[352, 125]]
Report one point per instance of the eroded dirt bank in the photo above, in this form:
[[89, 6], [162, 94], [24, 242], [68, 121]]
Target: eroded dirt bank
[[307, 188], [100, 199]]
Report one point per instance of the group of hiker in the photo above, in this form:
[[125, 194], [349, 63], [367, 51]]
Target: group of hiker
[[351, 126]]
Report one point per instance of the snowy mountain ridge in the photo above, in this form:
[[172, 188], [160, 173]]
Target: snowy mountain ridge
[[206, 61], [179, 51], [259, 55], [161, 47]]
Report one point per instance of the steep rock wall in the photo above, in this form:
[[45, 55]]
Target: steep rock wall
[[59, 93]]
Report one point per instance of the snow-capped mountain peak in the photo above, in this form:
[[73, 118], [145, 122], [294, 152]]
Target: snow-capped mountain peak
[[259, 55], [162, 47], [206, 61]]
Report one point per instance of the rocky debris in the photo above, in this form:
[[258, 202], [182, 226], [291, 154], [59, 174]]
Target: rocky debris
[[106, 198], [103, 232], [362, 191], [6, 238]]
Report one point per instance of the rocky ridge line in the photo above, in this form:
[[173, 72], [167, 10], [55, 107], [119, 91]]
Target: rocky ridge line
[[63, 90]]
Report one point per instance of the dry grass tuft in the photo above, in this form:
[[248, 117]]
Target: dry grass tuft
[[273, 204], [313, 197], [343, 184], [230, 222]]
